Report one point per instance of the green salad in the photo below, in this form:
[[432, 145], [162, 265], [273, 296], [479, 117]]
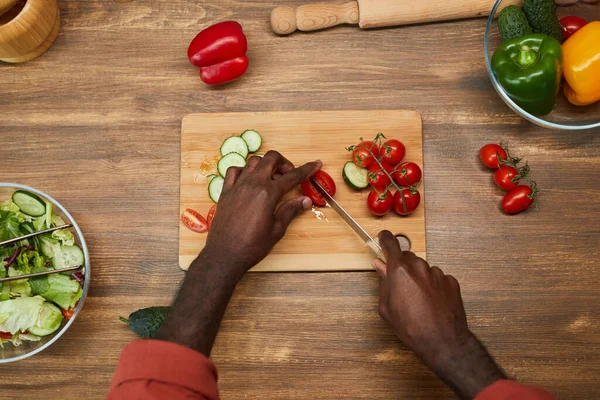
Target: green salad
[[35, 307]]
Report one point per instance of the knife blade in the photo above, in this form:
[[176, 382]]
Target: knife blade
[[359, 230]]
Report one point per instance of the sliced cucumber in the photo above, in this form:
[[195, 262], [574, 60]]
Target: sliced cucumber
[[29, 203], [234, 144], [211, 177], [215, 187], [230, 160], [252, 139], [355, 176], [69, 256], [259, 154]]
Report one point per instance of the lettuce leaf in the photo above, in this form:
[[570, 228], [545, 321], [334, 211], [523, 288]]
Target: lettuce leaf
[[49, 245], [18, 315], [65, 236], [9, 225], [61, 289]]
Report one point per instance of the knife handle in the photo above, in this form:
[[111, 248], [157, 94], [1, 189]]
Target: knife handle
[[312, 17]]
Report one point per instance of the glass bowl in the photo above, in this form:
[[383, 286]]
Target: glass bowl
[[565, 115], [15, 353]]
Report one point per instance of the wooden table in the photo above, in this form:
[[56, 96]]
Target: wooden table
[[95, 123]]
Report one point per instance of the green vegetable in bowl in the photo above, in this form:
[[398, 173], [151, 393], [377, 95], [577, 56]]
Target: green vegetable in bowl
[[541, 15], [512, 23], [529, 70]]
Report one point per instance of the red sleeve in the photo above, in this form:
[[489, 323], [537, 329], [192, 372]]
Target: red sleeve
[[511, 390], [153, 370]]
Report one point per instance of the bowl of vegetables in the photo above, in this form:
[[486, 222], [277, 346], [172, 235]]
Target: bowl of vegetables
[[36, 311], [543, 58]]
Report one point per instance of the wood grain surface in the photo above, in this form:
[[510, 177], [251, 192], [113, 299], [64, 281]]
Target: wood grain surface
[[95, 122], [319, 240]]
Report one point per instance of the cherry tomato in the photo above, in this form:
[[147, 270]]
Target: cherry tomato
[[379, 179], [517, 200], [194, 221], [504, 175], [407, 174], [489, 155], [67, 313], [361, 154], [325, 180], [412, 198], [6, 335], [380, 203], [392, 151], [211, 215], [571, 24]]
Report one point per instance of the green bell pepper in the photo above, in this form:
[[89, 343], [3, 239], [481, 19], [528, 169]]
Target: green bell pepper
[[529, 70]]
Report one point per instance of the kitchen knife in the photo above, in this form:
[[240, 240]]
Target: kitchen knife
[[373, 245], [378, 13]]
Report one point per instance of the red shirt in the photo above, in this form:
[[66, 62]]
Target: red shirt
[[153, 370]]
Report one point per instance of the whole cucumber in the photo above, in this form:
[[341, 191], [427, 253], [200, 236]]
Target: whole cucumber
[[512, 23], [541, 15], [147, 321]]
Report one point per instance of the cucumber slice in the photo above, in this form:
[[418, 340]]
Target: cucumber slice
[[48, 321], [215, 187], [69, 256], [231, 160], [252, 139], [29, 203], [355, 176], [234, 144]]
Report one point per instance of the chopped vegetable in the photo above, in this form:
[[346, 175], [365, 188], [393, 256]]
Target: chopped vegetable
[[581, 64], [194, 221], [211, 215], [220, 52], [215, 187], [529, 70], [230, 160], [326, 182], [29, 203], [355, 176], [234, 144], [253, 139]]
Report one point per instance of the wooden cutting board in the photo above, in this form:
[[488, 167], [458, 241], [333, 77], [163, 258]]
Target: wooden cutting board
[[313, 242]]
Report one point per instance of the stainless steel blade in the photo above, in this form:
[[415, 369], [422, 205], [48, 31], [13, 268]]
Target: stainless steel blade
[[359, 230]]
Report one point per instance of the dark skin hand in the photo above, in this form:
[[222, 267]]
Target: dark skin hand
[[425, 310], [248, 223]]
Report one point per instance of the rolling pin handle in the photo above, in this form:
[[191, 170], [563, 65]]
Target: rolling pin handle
[[312, 17]]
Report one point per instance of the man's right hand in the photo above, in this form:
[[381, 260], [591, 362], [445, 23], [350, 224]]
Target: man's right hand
[[425, 310]]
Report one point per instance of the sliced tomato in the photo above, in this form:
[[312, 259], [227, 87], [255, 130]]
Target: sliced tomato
[[194, 221], [6, 335], [68, 313], [325, 180], [211, 215]]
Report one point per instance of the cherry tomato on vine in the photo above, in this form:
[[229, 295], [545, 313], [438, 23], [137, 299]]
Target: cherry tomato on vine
[[392, 151], [571, 24], [379, 179], [380, 203], [407, 174], [412, 198], [211, 215], [194, 221], [504, 176], [323, 179], [519, 199], [361, 153], [489, 155]]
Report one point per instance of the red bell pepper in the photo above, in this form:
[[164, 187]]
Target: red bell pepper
[[220, 52]]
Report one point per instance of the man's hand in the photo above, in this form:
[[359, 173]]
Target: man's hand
[[248, 223], [425, 310]]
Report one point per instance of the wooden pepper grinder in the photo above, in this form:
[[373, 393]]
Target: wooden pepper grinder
[[28, 28]]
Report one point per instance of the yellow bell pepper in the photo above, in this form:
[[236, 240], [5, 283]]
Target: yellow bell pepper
[[581, 65]]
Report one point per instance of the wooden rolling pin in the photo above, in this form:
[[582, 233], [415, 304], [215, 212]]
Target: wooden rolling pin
[[378, 13]]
